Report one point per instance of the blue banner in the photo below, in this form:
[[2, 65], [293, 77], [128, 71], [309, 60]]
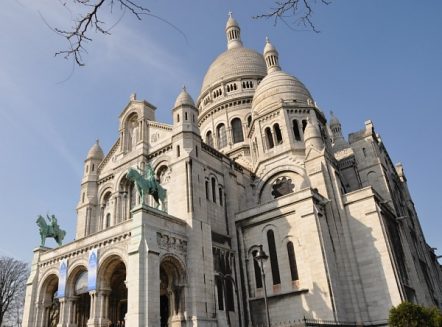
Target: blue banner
[[62, 278], [92, 270]]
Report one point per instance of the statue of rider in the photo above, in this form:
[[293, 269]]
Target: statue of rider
[[54, 224]]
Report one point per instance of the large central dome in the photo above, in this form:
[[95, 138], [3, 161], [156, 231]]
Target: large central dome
[[234, 63]]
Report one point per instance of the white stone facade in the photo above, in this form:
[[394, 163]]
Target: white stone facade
[[252, 162]]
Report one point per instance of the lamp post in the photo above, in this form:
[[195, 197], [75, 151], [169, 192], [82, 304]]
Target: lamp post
[[261, 256]]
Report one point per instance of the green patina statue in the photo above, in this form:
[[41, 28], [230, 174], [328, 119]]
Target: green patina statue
[[50, 230], [149, 185]]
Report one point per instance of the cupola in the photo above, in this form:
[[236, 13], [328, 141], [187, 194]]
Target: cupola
[[233, 33]]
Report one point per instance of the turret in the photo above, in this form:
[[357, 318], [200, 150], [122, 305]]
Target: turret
[[271, 57], [93, 159], [185, 114], [233, 33], [86, 208], [339, 142], [312, 136]]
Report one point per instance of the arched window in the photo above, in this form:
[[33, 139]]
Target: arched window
[[213, 189], [185, 115], [209, 138], [273, 257], [278, 134], [296, 130], [269, 138], [292, 261], [237, 130], [221, 135], [257, 269]]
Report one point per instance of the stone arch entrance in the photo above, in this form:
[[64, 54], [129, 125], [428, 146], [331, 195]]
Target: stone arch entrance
[[79, 297], [172, 287], [113, 291], [49, 308]]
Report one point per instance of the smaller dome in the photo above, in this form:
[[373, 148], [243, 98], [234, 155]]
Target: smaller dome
[[278, 86], [333, 120], [95, 152], [184, 98]]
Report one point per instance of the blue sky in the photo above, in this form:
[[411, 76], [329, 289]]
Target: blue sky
[[374, 59]]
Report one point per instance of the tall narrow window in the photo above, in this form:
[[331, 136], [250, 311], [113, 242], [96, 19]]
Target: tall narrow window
[[221, 135], [213, 189], [207, 190], [209, 138], [296, 130], [278, 134], [292, 261], [257, 269], [219, 288], [269, 138], [237, 130], [177, 150], [304, 125], [220, 195], [108, 219], [178, 118], [273, 257], [185, 115], [249, 121], [230, 302]]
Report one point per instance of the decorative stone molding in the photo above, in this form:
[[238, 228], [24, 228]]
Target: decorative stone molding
[[168, 242]]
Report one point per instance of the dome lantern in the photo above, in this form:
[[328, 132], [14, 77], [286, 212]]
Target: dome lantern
[[271, 57], [233, 33]]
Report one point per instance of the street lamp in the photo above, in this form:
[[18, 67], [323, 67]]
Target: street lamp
[[261, 256]]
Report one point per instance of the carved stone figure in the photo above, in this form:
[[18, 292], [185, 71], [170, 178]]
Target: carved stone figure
[[149, 185], [52, 229]]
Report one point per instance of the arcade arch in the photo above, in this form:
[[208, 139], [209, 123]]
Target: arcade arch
[[49, 308], [172, 284]]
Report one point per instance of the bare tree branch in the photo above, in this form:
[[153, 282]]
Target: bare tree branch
[[13, 274], [301, 11], [90, 20]]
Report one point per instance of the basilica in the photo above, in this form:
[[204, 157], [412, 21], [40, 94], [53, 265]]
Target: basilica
[[270, 214]]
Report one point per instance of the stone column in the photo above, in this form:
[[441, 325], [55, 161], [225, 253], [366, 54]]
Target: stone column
[[70, 310], [103, 314], [93, 321], [63, 315]]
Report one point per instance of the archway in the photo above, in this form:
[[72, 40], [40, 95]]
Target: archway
[[50, 309], [172, 284], [82, 299], [113, 290]]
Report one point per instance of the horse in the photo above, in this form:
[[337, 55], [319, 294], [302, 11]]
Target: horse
[[148, 185], [48, 231]]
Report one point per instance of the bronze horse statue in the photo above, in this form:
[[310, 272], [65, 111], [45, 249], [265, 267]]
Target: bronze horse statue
[[149, 185], [50, 230]]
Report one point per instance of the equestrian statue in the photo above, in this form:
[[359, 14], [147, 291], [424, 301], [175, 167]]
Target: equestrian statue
[[149, 185], [50, 229]]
